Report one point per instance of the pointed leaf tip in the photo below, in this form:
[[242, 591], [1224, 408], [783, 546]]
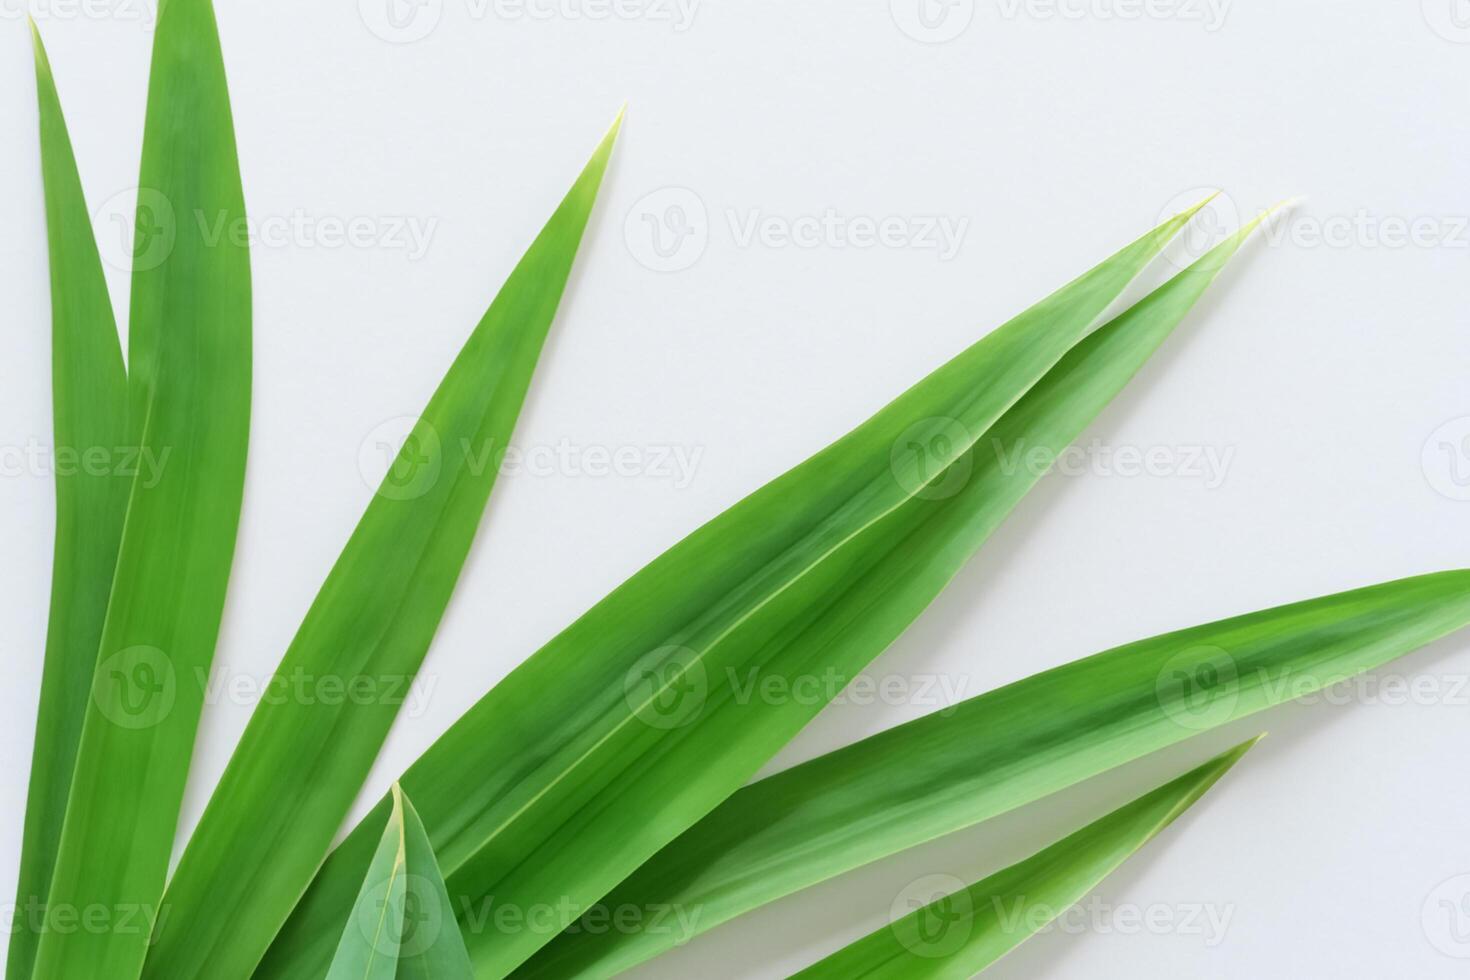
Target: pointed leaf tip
[[43, 63], [1189, 213]]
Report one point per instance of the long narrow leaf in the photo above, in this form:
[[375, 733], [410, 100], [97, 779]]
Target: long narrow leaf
[[589, 742], [301, 762], [89, 403], [1002, 750], [189, 409], [402, 925], [962, 933]]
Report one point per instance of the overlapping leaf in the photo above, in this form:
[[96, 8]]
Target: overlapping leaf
[[402, 925], [963, 932], [189, 410], [1002, 750], [587, 759], [90, 404], [301, 762]]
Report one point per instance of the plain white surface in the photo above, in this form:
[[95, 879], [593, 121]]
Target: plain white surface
[[1326, 375]]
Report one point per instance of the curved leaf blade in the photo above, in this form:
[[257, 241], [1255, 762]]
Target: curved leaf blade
[[960, 934], [925, 545], [1002, 750]]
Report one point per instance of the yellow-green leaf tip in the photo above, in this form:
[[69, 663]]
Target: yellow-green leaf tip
[[1188, 213], [1271, 212]]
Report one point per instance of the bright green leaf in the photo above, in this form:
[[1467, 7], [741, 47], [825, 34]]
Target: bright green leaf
[[89, 403], [586, 760], [189, 412], [1002, 750]]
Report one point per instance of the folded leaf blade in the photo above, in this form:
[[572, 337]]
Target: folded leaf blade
[[960, 934], [189, 409], [89, 404], [576, 747]]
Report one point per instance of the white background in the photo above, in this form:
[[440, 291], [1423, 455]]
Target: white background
[[1322, 370]]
